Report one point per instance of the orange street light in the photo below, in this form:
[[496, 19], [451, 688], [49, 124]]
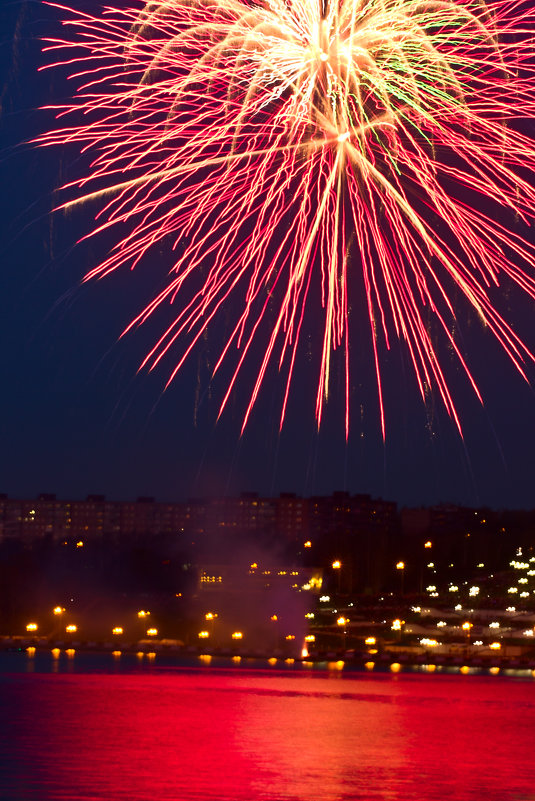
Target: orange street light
[[401, 567]]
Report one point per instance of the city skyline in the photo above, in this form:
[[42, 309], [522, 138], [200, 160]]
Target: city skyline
[[76, 417]]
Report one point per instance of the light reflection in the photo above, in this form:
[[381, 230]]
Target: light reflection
[[369, 665], [338, 665]]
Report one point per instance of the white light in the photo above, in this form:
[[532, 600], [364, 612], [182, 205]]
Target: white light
[[454, 588], [431, 588], [512, 589], [524, 594], [325, 598], [473, 591], [458, 607], [494, 625]]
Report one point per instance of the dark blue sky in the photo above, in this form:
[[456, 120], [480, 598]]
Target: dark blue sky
[[77, 418]]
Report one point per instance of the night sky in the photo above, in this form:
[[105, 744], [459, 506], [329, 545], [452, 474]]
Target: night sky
[[77, 417]]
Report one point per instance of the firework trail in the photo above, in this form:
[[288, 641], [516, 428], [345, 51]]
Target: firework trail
[[373, 148]]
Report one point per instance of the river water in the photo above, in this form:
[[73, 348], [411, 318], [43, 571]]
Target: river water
[[140, 729]]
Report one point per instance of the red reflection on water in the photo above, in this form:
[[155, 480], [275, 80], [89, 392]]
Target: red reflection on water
[[249, 735]]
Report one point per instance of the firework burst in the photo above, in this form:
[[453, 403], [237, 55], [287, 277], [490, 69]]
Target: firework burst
[[373, 148]]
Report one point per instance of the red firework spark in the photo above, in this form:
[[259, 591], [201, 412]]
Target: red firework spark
[[292, 140]]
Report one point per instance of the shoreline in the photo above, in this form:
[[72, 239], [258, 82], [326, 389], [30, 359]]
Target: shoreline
[[350, 659]]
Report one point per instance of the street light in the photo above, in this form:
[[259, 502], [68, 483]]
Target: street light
[[337, 565], [401, 567], [342, 623]]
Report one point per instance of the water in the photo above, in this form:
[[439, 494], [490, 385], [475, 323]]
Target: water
[[95, 727]]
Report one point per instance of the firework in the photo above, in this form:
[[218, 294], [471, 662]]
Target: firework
[[374, 149]]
